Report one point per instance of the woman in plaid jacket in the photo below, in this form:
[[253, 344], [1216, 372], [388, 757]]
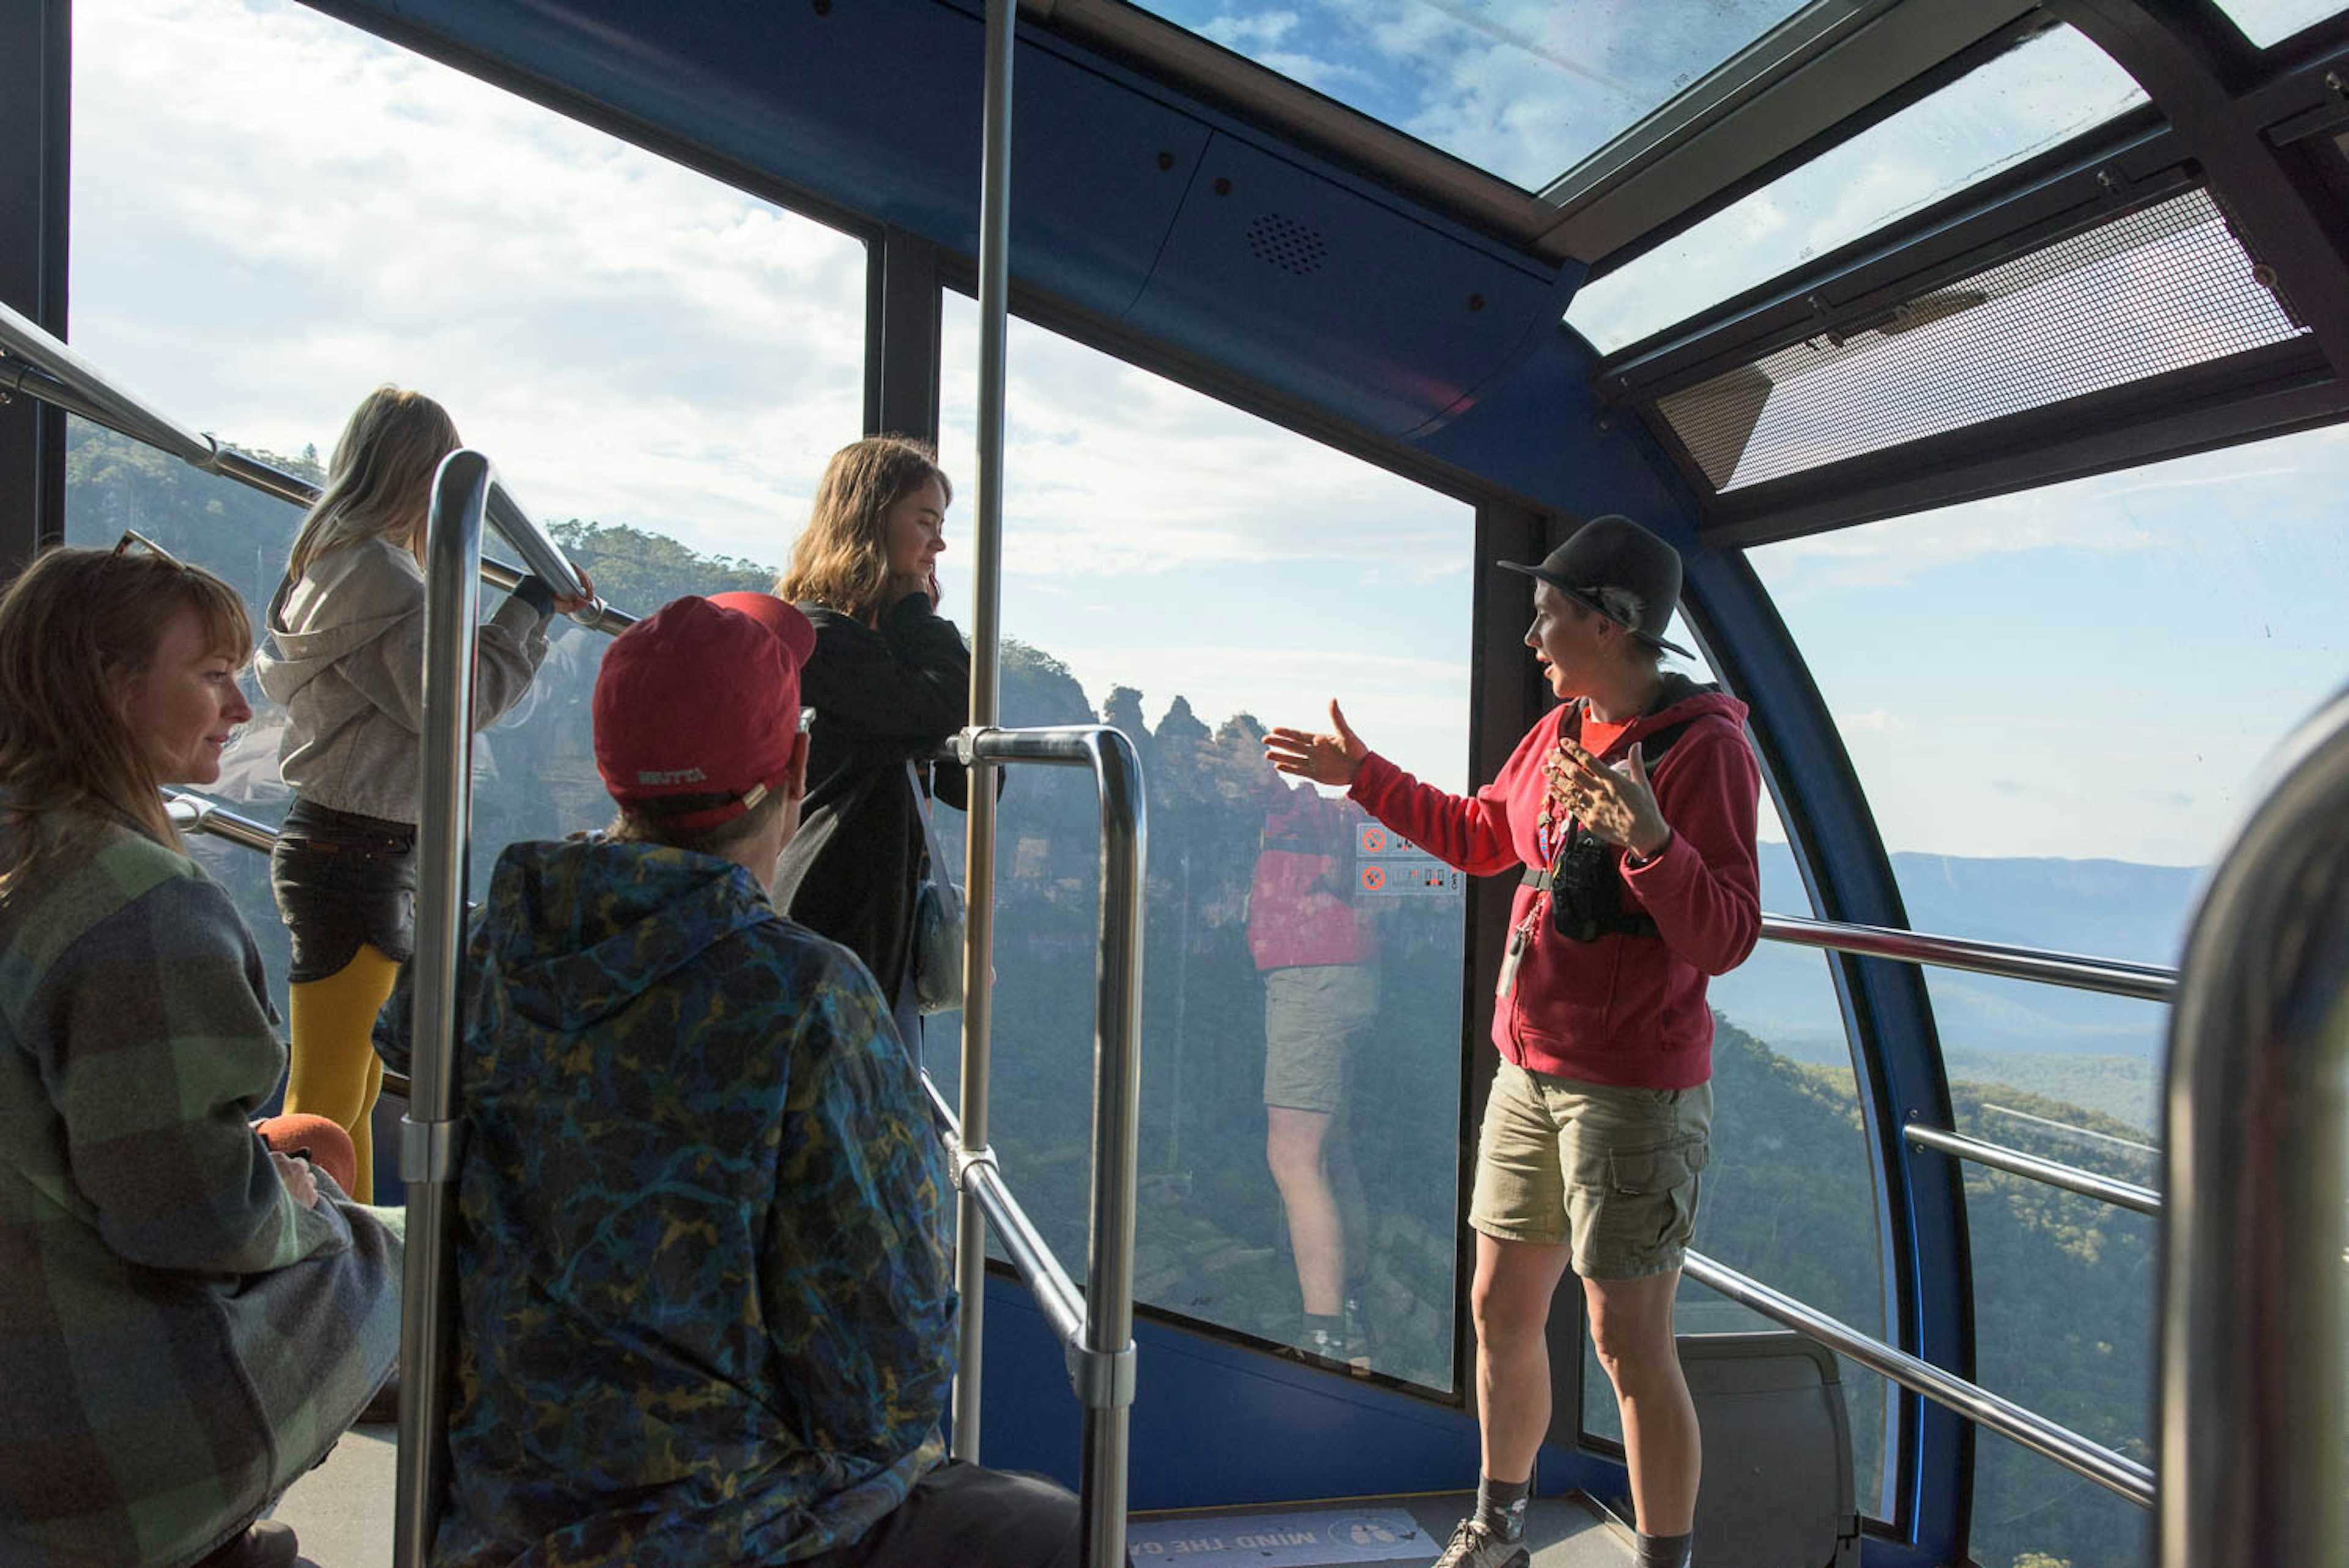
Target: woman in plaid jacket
[[188, 1321]]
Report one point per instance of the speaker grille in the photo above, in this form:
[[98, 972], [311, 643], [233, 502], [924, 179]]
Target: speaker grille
[[1287, 244]]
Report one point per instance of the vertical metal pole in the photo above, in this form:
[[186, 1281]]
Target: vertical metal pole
[[2253, 1434], [35, 123], [429, 1134], [978, 854], [1117, 1096]]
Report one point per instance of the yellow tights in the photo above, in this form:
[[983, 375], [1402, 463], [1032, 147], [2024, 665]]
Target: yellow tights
[[335, 1073]]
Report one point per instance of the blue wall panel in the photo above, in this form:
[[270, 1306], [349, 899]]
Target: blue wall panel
[[1299, 281], [1539, 431], [1217, 1424]]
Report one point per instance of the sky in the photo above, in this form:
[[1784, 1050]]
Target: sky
[[274, 212]]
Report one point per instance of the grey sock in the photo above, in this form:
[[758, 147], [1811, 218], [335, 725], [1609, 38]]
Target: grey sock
[[1501, 1506], [1664, 1551]]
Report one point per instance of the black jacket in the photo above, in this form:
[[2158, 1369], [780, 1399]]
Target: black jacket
[[880, 697]]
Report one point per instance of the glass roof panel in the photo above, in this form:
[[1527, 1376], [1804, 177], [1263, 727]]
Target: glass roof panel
[[2044, 92], [2267, 22], [1522, 89]]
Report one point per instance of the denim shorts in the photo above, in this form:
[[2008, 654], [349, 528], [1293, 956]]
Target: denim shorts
[[343, 880]]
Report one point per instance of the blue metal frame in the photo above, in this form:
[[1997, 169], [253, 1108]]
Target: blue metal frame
[[1308, 1432], [36, 137], [1889, 1016]]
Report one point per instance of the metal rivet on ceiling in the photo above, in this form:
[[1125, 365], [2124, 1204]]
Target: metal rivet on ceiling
[[1476, 302], [1166, 161], [1223, 187]]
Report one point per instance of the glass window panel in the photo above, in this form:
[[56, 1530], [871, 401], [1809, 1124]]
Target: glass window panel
[[2032, 1512], [2059, 703], [1790, 1194], [631, 341], [2043, 92], [662, 361], [1523, 88], [2267, 22], [1184, 570]]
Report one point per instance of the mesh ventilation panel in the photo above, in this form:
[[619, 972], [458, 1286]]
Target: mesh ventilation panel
[[2156, 290], [1287, 244]]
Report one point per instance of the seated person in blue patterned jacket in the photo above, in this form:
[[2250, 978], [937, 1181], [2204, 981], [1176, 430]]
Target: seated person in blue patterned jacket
[[705, 1318]]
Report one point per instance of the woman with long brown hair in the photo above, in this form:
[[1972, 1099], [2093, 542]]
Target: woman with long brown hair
[[346, 655], [188, 1320], [889, 681]]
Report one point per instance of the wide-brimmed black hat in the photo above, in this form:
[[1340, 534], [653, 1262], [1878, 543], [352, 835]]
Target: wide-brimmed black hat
[[1616, 553]]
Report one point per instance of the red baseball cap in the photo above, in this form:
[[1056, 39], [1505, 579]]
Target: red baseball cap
[[700, 698]]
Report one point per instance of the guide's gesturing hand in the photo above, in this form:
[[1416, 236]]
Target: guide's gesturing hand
[[1620, 807], [1326, 759]]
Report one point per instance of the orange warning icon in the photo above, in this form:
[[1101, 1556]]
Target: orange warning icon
[[1372, 839], [1374, 878]]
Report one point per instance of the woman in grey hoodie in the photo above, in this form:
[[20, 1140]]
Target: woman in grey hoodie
[[346, 655]]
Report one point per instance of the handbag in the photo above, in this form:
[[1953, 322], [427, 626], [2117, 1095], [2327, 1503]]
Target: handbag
[[938, 921]]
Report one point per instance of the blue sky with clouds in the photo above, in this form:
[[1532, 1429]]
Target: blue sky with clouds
[[2092, 670]]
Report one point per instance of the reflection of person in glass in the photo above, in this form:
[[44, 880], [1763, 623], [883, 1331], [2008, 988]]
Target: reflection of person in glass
[[1631, 810], [1320, 994]]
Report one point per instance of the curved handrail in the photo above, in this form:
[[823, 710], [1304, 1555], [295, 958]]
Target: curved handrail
[[2015, 1162], [1101, 1361], [2148, 983], [2254, 1439], [430, 1133], [2115, 1472], [977, 1174], [35, 363]]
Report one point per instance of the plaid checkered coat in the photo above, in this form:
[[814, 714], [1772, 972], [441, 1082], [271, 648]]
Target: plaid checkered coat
[[179, 1339]]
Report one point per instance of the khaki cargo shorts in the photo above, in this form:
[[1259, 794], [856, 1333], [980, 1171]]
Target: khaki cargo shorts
[[1314, 1019], [1612, 1171]]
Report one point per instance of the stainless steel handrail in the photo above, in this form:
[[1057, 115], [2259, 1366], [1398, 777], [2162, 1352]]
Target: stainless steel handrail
[[196, 814], [2148, 983], [46, 368], [2117, 1472], [430, 1133], [2070, 1177], [2254, 1437], [36, 364], [1063, 1304], [1101, 1361]]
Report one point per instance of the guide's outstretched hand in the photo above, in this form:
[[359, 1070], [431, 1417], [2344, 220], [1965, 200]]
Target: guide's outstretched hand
[[1326, 759]]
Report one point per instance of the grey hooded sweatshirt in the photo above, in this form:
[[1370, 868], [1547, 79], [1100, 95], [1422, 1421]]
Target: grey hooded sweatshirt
[[346, 655]]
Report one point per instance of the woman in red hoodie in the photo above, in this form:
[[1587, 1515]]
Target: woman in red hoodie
[[1630, 813]]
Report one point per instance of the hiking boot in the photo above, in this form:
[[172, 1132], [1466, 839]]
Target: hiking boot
[[265, 1544], [1474, 1545], [1357, 1349]]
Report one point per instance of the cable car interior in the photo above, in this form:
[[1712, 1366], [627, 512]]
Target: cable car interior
[[1986, 361]]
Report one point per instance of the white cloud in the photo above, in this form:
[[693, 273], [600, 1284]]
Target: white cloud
[[1894, 552], [628, 339]]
